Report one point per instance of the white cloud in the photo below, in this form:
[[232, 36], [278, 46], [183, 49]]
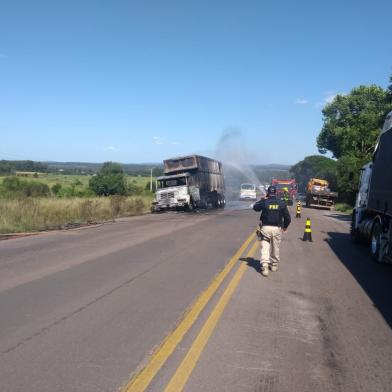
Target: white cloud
[[301, 101], [158, 140], [329, 98], [112, 148]]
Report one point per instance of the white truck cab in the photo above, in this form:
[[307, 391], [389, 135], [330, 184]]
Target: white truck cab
[[248, 192], [175, 191]]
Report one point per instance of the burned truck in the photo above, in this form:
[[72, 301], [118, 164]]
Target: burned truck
[[190, 182]]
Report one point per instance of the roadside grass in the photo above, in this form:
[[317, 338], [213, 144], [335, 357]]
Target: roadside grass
[[36, 214], [82, 180], [344, 207]]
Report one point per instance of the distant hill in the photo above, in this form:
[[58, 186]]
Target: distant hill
[[138, 169], [254, 173], [272, 166]]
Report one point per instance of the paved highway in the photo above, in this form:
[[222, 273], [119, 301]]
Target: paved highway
[[175, 302]]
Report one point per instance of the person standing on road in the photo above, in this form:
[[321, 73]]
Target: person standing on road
[[274, 219]]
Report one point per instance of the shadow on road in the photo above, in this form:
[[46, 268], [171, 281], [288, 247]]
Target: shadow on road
[[321, 208], [375, 279], [342, 217], [251, 262]]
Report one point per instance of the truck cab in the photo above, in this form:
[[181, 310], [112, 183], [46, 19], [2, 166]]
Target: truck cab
[[364, 184], [175, 191]]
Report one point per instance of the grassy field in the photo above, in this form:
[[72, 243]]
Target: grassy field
[[344, 207], [21, 214], [35, 214], [71, 180]]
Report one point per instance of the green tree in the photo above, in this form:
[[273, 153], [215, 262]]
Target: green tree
[[348, 172], [315, 166], [390, 89], [352, 122], [110, 180], [111, 168]]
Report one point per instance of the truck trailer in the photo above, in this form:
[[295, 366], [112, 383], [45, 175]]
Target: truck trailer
[[372, 215], [190, 182], [319, 194]]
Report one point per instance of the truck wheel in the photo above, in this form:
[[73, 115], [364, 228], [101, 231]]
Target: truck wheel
[[375, 243], [191, 206], [223, 202], [220, 203]]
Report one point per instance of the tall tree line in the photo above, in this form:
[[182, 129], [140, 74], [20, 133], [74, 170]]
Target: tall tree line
[[351, 127]]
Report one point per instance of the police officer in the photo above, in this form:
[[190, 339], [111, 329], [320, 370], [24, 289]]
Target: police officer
[[274, 218]]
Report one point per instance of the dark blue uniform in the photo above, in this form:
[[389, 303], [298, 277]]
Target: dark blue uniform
[[274, 212]]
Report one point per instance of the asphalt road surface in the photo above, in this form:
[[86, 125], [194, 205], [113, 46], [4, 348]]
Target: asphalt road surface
[[176, 301]]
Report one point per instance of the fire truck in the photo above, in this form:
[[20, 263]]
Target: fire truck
[[286, 189]]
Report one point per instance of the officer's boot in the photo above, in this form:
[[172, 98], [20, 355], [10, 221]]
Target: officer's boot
[[274, 267], [264, 269]]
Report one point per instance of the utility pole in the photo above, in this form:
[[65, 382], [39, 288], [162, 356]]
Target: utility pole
[[151, 179]]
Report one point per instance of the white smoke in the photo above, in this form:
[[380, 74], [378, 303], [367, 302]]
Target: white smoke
[[232, 152]]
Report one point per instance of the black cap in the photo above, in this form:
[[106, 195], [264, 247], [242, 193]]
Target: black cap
[[271, 190]]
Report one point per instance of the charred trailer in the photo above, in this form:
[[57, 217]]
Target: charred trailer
[[372, 215], [190, 182]]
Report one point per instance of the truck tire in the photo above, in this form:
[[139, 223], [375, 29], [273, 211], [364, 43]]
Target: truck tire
[[223, 202], [375, 242], [191, 206]]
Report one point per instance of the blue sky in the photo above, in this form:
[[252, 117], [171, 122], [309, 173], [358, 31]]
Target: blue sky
[[140, 81]]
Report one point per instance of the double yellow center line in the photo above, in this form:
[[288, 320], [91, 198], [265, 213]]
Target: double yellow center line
[[141, 380]]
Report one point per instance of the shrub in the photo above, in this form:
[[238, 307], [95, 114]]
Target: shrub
[[108, 184], [110, 180], [56, 188], [14, 185], [147, 187], [77, 183], [133, 189]]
